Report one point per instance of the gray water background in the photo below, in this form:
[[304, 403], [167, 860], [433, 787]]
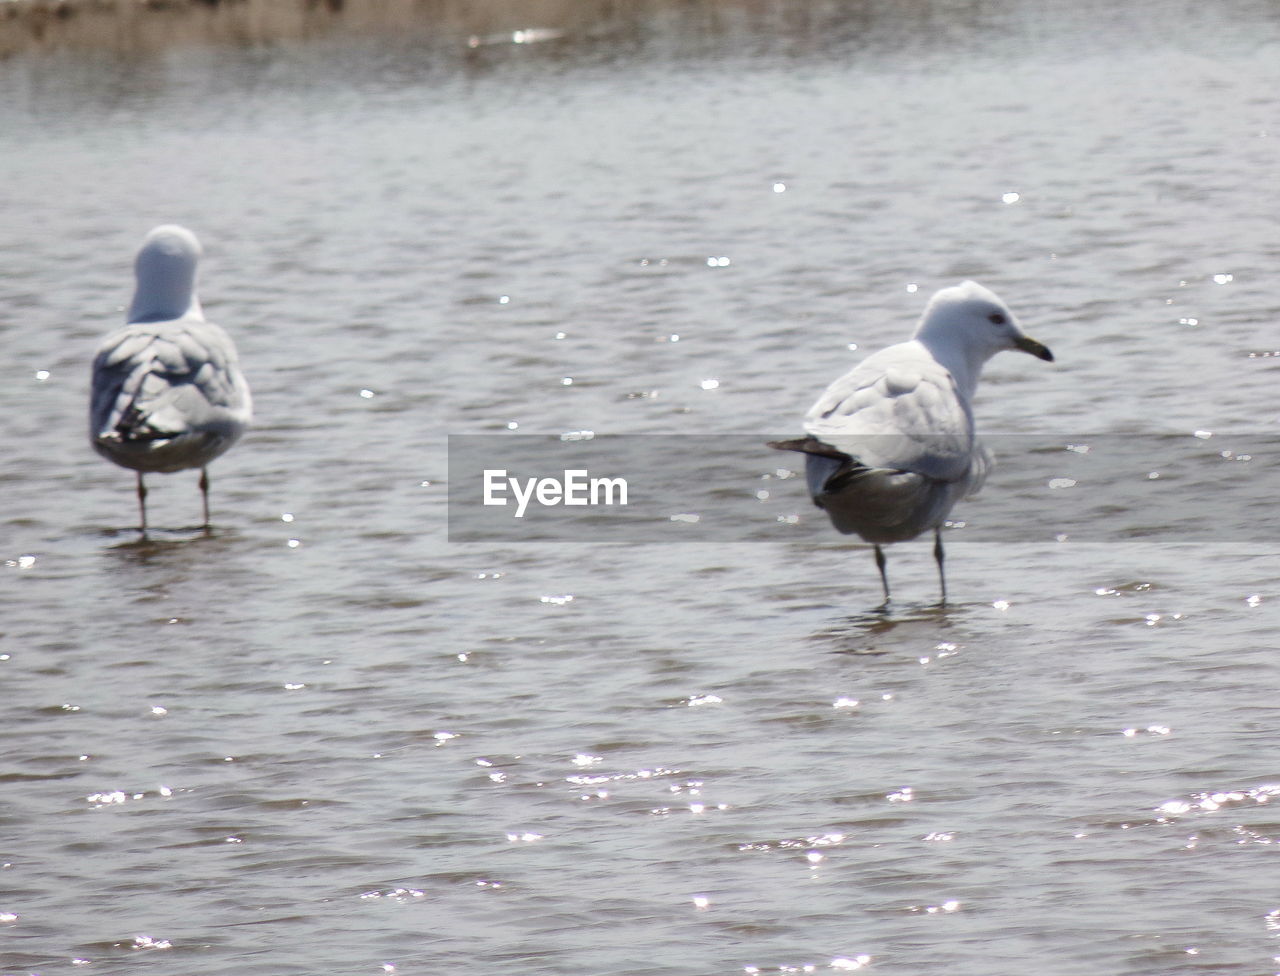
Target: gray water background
[[326, 740]]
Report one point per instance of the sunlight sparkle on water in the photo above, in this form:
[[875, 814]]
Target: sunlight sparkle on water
[[946, 908], [1155, 730], [694, 700], [1010, 197], [395, 894], [793, 843], [147, 942]]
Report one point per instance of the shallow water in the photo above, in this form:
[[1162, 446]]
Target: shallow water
[[328, 740]]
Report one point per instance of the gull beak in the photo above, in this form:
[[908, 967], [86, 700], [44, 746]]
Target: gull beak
[[1037, 349]]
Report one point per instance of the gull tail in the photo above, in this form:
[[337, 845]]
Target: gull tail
[[131, 425], [826, 469], [809, 445]]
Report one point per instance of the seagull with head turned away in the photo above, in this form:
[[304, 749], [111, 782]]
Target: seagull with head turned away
[[891, 445], [167, 390]]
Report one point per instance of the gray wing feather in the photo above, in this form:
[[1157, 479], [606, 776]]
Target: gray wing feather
[[891, 446], [898, 410], [167, 395]]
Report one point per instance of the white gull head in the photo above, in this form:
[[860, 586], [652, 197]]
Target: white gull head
[[965, 325], [166, 276]]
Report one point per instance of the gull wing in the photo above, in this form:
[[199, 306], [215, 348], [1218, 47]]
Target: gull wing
[[898, 410], [171, 389]]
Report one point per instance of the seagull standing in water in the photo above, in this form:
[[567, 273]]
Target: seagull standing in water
[[891, 446], [167, 393]]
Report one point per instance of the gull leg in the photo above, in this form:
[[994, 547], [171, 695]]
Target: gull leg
[[204, 495], [938, 555], [884, 575], [142, 505]]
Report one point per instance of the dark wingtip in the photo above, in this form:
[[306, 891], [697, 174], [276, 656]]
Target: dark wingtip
[[795, 444], [809, 445]]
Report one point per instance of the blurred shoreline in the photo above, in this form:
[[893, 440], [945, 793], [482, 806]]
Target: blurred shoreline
[[136, 26], [128, 26], [142, 26]]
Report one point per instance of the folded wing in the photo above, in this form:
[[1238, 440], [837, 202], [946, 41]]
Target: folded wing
[[890, 446], [167, 396]]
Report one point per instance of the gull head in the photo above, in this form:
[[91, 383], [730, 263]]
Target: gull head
[[971, 321], [166, 275]]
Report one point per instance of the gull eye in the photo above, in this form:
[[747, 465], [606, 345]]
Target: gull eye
[[996, 318]]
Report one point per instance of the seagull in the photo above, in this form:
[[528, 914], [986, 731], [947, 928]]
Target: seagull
[[167, 391], [891, 445]]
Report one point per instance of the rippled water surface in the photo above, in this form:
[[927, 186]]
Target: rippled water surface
[[326, 739]]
